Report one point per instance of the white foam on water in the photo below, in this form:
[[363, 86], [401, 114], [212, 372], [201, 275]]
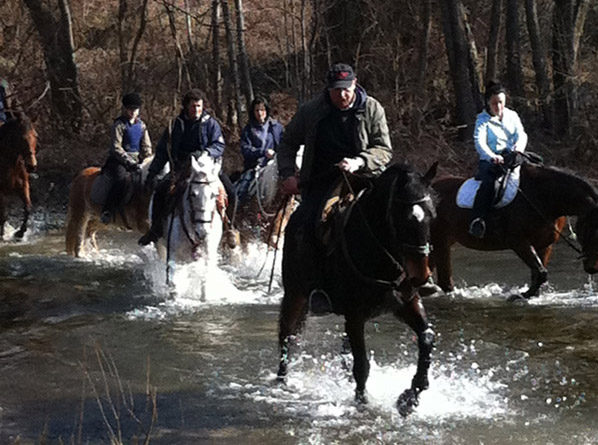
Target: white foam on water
[[586, 296], [243, 281], [320, 392]]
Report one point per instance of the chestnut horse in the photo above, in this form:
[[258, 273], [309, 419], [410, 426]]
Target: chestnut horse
[[83, 213], [380, 259], [18, 142], [528, 226]]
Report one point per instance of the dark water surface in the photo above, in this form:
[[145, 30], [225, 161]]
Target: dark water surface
[[79, 336]]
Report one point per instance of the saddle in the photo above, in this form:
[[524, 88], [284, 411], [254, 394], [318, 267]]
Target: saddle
[[101, 186], [334, 213], [505, 190]]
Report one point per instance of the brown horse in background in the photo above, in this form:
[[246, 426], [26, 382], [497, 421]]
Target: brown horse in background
[[529, 226], [18, 143], [83, 214]]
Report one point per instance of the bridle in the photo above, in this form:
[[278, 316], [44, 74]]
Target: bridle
[[400, 283]]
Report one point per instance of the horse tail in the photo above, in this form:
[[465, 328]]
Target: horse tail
[[77, 216]]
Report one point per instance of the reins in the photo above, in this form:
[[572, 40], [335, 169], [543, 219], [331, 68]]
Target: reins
[[566, 238], [401, 275]]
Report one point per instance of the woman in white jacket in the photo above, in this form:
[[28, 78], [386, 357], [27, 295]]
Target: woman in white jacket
[[498, 130]]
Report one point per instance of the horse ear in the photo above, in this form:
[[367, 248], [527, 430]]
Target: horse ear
[[431, 173]]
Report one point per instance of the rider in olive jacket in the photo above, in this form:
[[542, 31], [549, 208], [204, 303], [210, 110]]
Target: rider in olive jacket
[[371, 137]]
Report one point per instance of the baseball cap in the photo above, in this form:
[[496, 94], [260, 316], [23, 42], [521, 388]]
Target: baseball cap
[[340, 75]]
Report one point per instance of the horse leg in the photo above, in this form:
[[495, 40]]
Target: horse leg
[[26, 198], [539, 273], [2, 216], [292, 315], [414, 314], [441, 259], [361, 366]]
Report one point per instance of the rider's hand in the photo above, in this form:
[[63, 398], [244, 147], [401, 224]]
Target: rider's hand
[[270, 153], [351, 165], [498, 159], [136, 168], [290, 186]]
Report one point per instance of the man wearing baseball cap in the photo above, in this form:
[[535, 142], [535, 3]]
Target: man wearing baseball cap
[[342, 129]]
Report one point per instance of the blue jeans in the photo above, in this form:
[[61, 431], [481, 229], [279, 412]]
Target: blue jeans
[[487, 174]]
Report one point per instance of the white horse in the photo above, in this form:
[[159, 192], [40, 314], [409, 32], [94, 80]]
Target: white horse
[[193, 229]]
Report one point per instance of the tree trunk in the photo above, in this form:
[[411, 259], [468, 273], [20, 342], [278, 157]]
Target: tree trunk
[[493, 39], [183, 69], [514, 71], [460, 65], [216, 64], [56, 38], [423, 44], [539, 60], [247, 85], [567, 28], [125, 29], [233, 67]]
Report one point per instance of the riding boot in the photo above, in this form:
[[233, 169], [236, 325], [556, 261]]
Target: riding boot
[[481, 206], [158, 208], [112, 201]]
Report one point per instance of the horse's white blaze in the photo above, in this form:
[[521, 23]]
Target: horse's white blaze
[[418, 213]]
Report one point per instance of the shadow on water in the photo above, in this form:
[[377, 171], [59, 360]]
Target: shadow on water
[[502, 373]]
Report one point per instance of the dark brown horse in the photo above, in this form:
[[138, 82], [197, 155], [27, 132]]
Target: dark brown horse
[[18, 142], [528, 226], [380, 259]]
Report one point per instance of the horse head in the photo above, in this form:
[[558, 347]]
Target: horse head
[[202, 192], [587, 233], [409, 214], [19, 135]]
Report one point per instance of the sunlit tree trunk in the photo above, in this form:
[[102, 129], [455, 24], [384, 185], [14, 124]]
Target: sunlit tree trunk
[[234, 119], [244, 59], [128, 57], [216, 64], [539, 61], [567, 29], [493, 39], [461, 66], [54, 28], [514, 71]]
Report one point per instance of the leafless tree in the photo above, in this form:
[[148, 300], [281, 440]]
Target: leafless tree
[[244, 59], [54, 28], [127, 49], [514, 70]]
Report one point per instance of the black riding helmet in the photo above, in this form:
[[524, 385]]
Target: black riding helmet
[[132, 100]]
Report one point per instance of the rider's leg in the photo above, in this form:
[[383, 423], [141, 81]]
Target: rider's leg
[[483, 200], [118, 173], [159, 203]]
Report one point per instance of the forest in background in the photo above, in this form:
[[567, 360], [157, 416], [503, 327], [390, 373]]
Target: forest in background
[[69, 62]]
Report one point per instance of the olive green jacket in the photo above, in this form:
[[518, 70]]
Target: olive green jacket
[[372, 136]]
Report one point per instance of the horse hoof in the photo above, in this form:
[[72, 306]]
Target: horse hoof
[[361, 398], [517, 298], [429, 288], [407, 402]]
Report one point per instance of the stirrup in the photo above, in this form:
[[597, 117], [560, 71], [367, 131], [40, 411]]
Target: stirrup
[[477, 228]]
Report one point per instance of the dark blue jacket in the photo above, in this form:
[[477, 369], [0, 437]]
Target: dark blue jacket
[[187, 137], [257, 138]]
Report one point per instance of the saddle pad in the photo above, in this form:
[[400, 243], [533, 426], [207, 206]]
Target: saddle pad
[[100, 189], [468, 190]]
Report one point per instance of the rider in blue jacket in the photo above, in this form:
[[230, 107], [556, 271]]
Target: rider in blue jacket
[[193, 131], [130, 145]]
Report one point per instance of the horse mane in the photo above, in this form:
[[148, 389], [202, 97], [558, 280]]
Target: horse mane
[[572, 177]]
